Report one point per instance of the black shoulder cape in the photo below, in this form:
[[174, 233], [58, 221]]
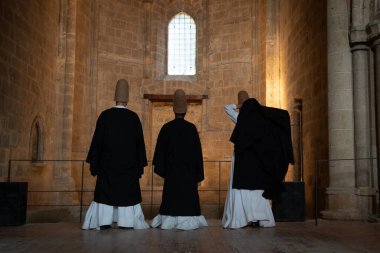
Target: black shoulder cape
[[263, 148]]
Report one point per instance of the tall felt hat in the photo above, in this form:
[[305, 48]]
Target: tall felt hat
[[122, 91], [242, 96], [179, 102]]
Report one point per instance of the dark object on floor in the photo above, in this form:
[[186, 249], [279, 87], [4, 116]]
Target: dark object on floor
[[13, 202], [105, 227], [291, 205], [255, 224]]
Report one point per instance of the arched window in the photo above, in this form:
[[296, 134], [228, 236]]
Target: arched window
[[181, 45], [36, 142]]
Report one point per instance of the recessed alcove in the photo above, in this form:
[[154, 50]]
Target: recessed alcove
[[161, 112]]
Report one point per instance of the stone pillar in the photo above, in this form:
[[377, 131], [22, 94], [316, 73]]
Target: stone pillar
[[92, 115], [361, 84], [361, 113], [373, 30], [147, 40], [272, 55], [148, 73], [341, 198], [65, 93], [363, 166], [296, 119], [65, 78]]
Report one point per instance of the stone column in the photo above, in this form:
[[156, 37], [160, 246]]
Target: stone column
[[92, 99], [65, 93], [363, 167], [361, 112], [65, 78], [148, 74], [341, 199], [147, 40], [373, 30], [272, 55], [296, 119], [361, 84]]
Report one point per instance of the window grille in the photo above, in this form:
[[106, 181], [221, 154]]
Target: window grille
[[181, 45]]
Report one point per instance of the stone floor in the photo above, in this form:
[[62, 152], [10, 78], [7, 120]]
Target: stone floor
[[328, 236]]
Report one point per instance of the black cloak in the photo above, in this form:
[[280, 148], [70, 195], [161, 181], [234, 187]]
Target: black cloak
[[117, 156], [263, 148], [178, 159]]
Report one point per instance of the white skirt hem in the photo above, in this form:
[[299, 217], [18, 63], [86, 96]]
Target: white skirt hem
[[245, 206], [178, 222], [101, 214]]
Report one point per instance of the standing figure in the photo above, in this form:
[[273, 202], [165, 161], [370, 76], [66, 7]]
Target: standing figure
[[178, 159], [259, 162], [117, 157]]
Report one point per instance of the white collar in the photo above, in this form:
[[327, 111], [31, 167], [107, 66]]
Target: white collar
[[120, 106]]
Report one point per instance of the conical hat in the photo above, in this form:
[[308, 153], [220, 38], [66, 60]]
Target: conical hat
[[122, 91], [179, 102], [242, 96]]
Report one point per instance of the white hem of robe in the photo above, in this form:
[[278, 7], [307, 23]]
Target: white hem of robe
[[244, 206], [125, 216], [179, 222]]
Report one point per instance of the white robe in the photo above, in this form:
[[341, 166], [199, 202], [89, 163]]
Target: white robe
[[101, 214], [178, 222], [244, 206]]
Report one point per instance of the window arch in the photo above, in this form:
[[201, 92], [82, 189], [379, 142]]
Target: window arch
[[36, 146], [182, 45]]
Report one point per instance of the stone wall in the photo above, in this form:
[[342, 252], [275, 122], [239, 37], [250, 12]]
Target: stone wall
[[85, 99], [227, 61], [303, 74], [60, 60], [260, 62], [28, 54], [226, 51]]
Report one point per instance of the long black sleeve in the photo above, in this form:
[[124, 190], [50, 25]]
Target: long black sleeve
[[142, 161], [199, 157], [160, 153], [95, 153]]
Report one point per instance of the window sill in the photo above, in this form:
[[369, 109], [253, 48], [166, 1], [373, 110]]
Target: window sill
[[188, 78]]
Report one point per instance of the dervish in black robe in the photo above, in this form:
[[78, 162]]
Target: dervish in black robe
[[263, 148], [117, 156], [178, 159]]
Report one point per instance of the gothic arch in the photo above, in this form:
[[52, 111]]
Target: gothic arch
[[36, 140], [181, 26], [174, 9], [159, 27]]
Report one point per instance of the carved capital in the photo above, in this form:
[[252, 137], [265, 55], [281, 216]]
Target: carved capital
[[373, 31], [365, 191], [359, 46], [358, 35]]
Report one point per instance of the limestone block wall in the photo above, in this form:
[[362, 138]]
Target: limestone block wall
[[232, 49], [119, 51], [28, 53], [228, 60], [303, 74], [60, 60], [260, 62], [85, 99]]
